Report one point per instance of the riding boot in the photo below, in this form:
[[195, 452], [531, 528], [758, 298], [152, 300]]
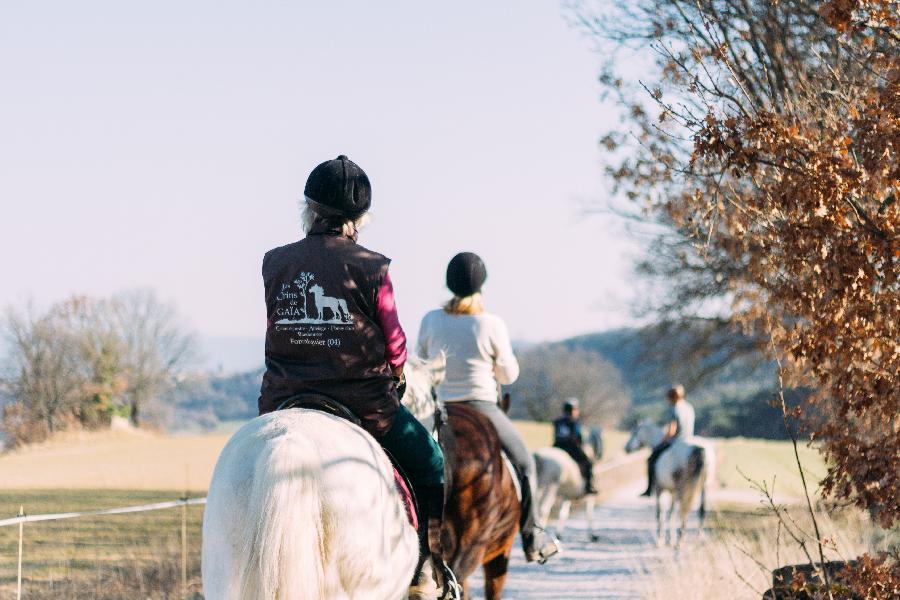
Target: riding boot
[[536, 542], [433, 579], [651, 467], [588, 474]]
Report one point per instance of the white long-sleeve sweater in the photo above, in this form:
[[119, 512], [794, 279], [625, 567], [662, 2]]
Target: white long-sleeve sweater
[[479, 354]]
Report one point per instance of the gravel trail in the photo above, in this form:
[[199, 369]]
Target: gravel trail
[[618, 565]]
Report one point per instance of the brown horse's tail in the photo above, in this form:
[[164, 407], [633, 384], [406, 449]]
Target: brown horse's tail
[[482, 513]]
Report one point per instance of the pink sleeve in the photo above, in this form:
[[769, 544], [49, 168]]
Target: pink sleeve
[[386, 314]]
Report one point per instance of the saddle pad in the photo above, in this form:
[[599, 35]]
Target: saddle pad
[[515, 476], [407, 497]]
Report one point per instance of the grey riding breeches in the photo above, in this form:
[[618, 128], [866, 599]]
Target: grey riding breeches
[[510, 438]]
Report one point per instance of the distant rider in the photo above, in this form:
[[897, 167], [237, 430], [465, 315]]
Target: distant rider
[[567, 436], [333, 331], [479, 359], [679, 425]]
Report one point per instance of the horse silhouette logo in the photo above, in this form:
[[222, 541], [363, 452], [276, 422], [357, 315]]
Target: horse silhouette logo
[[337, 306]]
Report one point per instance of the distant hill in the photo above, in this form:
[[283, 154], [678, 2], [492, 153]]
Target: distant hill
[[732, 399]]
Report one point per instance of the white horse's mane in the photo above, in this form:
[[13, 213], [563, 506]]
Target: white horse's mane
[[302, 506]]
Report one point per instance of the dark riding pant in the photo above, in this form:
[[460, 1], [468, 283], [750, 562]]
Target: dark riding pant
[[519, 455], [417, 453], [651, 462], [578, 455]]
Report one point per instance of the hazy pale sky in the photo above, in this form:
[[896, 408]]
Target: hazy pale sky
[[165, 144]]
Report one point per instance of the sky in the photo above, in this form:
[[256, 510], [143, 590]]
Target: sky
[[165, 145]]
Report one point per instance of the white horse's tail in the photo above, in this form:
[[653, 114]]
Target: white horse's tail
[[697, 467], [285, 558]]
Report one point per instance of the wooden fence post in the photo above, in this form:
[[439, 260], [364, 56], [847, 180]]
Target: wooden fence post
[[21, 535], [184, 549]]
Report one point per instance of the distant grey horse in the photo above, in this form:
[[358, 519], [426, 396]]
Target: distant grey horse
[[683, 469], [559, 478]]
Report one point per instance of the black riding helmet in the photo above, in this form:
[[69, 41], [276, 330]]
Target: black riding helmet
[[466, 274], [338, 188], [570, 405]]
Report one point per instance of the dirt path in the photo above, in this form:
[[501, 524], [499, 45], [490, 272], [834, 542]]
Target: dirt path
[[615, 566], [619, 565]]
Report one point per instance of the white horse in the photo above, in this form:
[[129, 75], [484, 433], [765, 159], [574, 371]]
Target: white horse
[[683, 469], [303, 505], [559, 478]]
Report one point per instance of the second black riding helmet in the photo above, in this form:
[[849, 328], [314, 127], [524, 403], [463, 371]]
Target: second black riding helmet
[[466, 274], [339, 188]]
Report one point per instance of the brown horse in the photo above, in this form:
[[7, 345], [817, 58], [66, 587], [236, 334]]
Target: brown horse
[[481, 518]]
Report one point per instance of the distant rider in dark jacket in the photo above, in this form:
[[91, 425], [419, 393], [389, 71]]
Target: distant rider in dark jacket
[[567, 436]]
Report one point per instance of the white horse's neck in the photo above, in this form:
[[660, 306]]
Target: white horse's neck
[[651, 435], [420, 380]]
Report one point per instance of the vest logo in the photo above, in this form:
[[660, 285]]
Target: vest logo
[[311, 306]]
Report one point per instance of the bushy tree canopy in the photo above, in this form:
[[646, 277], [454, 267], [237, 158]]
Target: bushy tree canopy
[[767, 140]]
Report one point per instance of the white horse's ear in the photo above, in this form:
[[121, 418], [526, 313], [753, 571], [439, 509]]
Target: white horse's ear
[[437, 366]]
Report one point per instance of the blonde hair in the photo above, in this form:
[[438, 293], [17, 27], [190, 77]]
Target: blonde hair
[[468, 305], [349, 227]]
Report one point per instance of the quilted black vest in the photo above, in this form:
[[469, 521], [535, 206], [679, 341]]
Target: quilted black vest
[[322, 335]]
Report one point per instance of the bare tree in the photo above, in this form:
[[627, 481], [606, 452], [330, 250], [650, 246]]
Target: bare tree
[[44, 377], [155, 346], [85, 360], [550, 374]]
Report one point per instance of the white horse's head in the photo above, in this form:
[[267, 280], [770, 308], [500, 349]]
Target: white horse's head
[[645, 434], [316, 289], [422, 376], [593, 443]]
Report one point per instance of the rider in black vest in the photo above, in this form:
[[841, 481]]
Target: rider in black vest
[[567, 436], [328, 335]]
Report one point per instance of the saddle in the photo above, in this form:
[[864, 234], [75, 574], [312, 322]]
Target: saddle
[[329, 405], [323, 403]]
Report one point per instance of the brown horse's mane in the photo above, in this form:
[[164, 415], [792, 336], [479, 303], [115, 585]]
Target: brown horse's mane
[[482, 513]]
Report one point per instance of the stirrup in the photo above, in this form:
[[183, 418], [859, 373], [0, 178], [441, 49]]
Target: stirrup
[[556, 549], [452, 589], [549, 546]]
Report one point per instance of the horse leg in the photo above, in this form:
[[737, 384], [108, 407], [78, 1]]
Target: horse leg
[[589, 507], [546, 502], [701, 513], [495, 576], [674, 496], [684, 508], [659, 521], [564, 508]]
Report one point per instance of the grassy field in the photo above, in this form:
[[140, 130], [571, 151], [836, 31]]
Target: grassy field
[[766, 461], [139, 555], [121, 556]]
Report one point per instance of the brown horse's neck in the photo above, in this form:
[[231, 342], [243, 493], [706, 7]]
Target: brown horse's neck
[[482, 513]]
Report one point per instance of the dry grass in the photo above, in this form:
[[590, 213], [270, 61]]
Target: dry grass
[[735, 562], [125, 460], [138, 460], [138, 555], [118, 556]]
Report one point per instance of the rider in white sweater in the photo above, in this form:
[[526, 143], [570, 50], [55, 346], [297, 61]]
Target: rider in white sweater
[[479, 354], [480, 359]]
